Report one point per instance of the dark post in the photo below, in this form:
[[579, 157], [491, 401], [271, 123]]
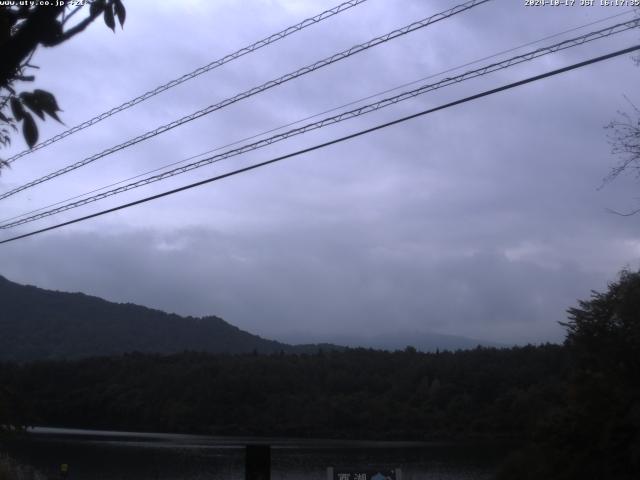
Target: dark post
[[258, 462]]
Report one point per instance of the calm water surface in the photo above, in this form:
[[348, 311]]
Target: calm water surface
[[100, 455]]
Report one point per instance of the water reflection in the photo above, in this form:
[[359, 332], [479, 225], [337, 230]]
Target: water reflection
[[99, 455]]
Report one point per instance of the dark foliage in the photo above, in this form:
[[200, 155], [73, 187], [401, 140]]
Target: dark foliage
[[24, 27], [351, 394], [597, 433]]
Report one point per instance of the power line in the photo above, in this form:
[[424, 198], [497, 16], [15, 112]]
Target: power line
[[270, 84], [338, 118], [588, 37], [353, 102], [198, 71], [333, 109], [332, 142]]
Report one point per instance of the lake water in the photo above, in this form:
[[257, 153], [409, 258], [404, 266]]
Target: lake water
[[100, 455]]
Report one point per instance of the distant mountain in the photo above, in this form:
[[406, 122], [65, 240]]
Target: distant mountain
[[38, 324], [421, 341]]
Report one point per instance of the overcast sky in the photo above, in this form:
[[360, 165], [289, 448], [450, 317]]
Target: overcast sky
[[484, 220]]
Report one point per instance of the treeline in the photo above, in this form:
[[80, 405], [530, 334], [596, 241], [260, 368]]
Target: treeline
[[355, 393]]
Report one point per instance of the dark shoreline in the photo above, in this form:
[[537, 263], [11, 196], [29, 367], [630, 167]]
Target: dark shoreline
[[41, 433], [145, 456]]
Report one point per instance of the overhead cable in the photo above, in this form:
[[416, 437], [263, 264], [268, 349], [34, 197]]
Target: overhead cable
[[315, 115], [270, 84], [331, 142], [372, 107], [195, 73]]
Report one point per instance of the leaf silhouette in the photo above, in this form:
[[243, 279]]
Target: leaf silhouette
[[121, 12], [96, 7], [29, 130], [108, 18], [16, 109], [47, 102], [31, 102]]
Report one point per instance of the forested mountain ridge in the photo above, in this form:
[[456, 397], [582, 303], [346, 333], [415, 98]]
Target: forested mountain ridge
[[38, 324]]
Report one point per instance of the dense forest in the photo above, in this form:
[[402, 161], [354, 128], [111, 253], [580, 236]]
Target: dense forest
[[352, 394]]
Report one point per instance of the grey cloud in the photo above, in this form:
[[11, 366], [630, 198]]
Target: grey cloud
[[307, 279], [481, 220]]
